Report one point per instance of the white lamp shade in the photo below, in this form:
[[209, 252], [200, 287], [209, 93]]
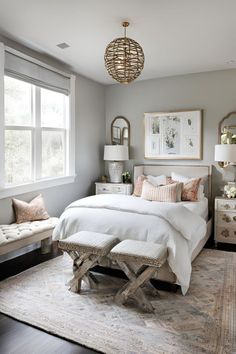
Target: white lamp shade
[[225, 152], [116, 152]]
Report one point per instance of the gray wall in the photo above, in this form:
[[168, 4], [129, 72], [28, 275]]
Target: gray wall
[[90, 139], [214, 92]]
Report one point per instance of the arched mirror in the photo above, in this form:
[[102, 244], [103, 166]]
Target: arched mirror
[[227, 129], [225, 151], [120, 131]]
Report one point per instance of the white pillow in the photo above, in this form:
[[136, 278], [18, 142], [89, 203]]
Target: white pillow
[[183, 179], [179, 178], [157, 180]]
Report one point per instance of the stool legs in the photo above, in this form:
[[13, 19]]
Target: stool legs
[[133, 288], [81, 266]]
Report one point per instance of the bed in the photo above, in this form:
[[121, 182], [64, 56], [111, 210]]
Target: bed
[[183, 227]]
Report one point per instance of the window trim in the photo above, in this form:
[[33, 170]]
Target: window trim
[[35, 186], [8, 191]]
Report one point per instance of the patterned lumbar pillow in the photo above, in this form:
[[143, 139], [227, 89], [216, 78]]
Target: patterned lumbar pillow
[[166, 193], [34, 210]]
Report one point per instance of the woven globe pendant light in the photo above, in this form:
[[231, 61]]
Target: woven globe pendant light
[[124, 58]]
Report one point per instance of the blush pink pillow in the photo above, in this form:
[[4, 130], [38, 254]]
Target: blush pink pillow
[[34, 210], [139, 185], [190, 190]]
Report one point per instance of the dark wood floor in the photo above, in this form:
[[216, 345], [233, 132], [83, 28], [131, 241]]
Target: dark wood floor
[[19, 338]]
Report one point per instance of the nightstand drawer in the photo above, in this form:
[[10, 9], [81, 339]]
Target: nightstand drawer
[[113, 188], [225, 204], [118, 190], [103, 189], [226, 218], [226, 234]]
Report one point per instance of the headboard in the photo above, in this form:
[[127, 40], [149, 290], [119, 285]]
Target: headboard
[[186, 170]]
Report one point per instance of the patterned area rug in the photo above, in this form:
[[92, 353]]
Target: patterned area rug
[[203, 321]]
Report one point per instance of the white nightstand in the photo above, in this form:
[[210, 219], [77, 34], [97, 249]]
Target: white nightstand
[[113, 188], [225, 220]]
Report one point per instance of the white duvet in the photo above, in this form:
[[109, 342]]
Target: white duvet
[[127, 217]]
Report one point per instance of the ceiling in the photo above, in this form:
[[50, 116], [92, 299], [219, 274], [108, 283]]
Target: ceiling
[[177, 36]]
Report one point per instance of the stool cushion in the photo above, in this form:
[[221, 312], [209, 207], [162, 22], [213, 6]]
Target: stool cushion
[[147, 253], [14, 232], [88, 241]]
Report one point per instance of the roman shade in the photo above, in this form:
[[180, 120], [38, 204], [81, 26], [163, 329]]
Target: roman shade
[[23, 68]]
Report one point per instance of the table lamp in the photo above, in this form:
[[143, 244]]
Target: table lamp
[[226, 153], [116, 154]]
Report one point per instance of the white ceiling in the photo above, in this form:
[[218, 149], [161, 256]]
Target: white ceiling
[[177, 36]]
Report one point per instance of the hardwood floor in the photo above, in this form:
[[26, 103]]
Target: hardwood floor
[[19, 338]]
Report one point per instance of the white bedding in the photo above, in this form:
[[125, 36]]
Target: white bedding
[[200, 208], [171, 224]]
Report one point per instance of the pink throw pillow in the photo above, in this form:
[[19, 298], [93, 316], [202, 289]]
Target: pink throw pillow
[[190, 190], [34, 210], [139, 185]]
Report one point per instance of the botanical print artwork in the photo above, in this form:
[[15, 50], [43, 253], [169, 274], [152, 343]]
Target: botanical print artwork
[[171, 135], [155, 122], [190, 144], [174, 135]]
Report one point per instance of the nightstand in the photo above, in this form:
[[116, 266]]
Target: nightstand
[[225, 220], [113, 188]]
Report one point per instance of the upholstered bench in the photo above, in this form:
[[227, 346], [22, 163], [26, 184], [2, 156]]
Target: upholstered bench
[[16, 236], [86, 248], [148, 257]]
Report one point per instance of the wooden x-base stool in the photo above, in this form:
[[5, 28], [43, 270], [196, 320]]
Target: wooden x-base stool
[[87, 249], [147, 257]]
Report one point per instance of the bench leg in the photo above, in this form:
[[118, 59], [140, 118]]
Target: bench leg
[[133, 288], [46, 245]]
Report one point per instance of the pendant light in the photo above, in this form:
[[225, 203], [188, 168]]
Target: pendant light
[[124, 58]]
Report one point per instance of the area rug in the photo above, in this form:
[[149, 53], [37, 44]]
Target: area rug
[[203, 321]]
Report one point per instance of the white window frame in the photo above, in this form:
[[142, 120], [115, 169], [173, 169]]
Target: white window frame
[[9, 191]]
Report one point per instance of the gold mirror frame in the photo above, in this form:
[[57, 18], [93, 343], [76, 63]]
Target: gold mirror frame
[[119, 139], [220, 127], [220, 131]]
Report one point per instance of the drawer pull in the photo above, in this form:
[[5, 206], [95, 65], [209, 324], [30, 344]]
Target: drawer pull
[[234, 218], [227, 206], [235, 233], [226, 218], [225, 233]]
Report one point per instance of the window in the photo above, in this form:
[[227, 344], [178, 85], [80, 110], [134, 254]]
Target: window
[[38, 134]]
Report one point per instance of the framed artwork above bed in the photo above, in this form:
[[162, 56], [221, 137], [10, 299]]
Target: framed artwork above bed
[[173, 135]]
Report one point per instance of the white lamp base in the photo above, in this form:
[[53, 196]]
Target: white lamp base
[[115, 169]]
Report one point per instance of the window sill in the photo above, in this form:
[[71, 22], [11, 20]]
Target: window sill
[[30, 187]]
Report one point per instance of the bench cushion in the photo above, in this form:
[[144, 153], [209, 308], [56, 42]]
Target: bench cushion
[[147, 253], [14, 232], [88, 241]]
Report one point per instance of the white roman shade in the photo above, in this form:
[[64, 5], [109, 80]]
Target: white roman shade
[[35, 73]]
